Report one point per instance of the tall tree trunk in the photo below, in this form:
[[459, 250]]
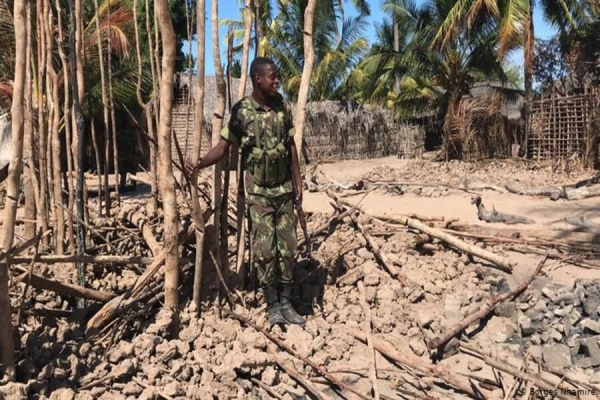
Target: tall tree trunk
[[241, 197], [198, 134], [396, 51], [217, 124], [154, 101], [528, 72], [166, 178], [106, 116], [74, 34], [256, 28], [28, 171], [41, 199], [309, 59], [67, 79], [112, 107], [13, 186], [54, 89], [245, 48], [230, 156], [146, 106]]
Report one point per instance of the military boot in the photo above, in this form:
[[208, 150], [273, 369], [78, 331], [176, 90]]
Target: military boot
[[273, 307], [287, 310]]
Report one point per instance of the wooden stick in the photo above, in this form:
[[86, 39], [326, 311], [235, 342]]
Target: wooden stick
[[141, 222], [267, 389], [371, 349], [412, 362], [68, 289], [293, 372], [495, 259], [568, 376], [483, 311], [22, 247], [535, 379], [56, 259], [293, 352]]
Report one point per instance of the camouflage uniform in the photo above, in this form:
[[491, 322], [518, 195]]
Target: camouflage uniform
[[263, 135]]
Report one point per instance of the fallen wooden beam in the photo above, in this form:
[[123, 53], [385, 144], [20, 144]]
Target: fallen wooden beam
[[56, 259], [412, 362], [138, 220], [554, 192], [68, 289], [461, 245], [483, 311]]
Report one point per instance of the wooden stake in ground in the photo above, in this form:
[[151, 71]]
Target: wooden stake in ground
[[13, 186], [198, 131], [166, 178], [484, 310]]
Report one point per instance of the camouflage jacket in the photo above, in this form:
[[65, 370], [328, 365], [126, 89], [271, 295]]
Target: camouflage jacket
[[275, 125]]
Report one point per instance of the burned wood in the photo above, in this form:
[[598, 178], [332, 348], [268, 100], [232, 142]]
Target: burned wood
[[322, 371], [483, 311], [293, 372], [554, 192], [410, 361], [535, 379], [497, 216], [68, 289], [495, 259]]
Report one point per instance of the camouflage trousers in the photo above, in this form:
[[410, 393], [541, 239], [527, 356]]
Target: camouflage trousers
[[273, 237]]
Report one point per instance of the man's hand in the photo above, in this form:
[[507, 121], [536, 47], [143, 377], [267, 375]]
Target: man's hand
[[190, 166]]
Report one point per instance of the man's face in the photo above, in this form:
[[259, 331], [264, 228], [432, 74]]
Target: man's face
[[268, 80]]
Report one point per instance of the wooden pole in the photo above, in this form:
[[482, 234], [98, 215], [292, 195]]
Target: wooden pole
[[13, 186]]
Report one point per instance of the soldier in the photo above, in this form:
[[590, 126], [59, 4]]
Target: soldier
[[262, 125]]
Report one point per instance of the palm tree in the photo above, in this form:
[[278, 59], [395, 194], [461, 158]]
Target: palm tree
[[338, 46]]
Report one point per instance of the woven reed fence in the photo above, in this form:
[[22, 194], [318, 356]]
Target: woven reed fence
[[335, 132], [331, 132], [564, 127]]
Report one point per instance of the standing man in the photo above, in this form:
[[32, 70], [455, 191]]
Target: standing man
[[262, 126]]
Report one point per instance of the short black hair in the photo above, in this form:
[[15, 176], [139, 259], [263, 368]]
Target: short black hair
[[258, 65]]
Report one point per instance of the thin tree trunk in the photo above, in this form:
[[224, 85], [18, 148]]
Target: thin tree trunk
[[13, 186], [112, 108], [309, 59], [67, 121], [198, 133], [28, 137], [42, 204], [396, 51], [166, 179], [79, 126], [217, 124], [256, 29], [106, 115], [151, 130], [228, 159], [246, 48], [528, 72], [145, 105], [241, 197], [98, 167], [58, 207]]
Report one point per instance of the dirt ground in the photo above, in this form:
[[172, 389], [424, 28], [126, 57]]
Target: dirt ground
[[553, 325]]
